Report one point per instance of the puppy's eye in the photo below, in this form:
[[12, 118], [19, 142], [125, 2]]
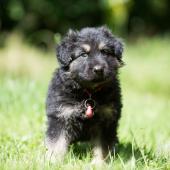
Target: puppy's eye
[[84, 55], [106, 51]]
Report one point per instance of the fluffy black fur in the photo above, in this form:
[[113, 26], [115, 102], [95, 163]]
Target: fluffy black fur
[[89, 62]]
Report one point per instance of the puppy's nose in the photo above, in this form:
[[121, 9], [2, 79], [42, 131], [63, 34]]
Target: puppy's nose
[[98, 69]]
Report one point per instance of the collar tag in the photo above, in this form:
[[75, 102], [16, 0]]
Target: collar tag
[[90, 105], [89, 112]]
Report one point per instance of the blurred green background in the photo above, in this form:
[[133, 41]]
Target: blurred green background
[[29, 31], [40, 20]]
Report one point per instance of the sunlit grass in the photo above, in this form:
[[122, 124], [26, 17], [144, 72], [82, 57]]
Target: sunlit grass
[[144, 127], [17, 58]]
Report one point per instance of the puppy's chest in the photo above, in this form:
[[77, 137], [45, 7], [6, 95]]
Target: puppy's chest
[[102, 104], [104, 112], [104, 108], [104, 115]]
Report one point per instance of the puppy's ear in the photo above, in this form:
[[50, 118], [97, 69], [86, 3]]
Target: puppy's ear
[[65, 49], [105, 31], [114, 42], [118, 49]]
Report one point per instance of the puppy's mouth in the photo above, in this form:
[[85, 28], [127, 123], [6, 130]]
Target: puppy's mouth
[[93, 81], [91, 78]]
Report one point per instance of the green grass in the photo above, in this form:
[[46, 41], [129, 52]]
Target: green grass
[[144, 129]]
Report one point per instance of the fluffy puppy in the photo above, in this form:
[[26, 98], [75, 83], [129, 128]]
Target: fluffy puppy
[[84, 96]]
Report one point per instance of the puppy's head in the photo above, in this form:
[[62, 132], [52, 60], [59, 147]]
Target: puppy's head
[[91, 56]]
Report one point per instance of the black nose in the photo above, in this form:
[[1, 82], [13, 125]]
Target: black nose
[[98, 69]]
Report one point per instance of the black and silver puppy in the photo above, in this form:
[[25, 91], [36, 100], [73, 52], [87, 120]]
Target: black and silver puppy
[[84, 96]]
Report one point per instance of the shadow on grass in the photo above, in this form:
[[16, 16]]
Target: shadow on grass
[[124, 150], [127, 151], [81, 150]]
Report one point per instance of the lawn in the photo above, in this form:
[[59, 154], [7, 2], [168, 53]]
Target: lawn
[[144, 130]]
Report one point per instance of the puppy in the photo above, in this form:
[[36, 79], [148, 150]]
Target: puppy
[[84, 96]]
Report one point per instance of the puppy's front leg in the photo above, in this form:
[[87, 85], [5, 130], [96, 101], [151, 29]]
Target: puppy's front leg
[[56, 140], [101, 149], [64, 126], [98, 151]]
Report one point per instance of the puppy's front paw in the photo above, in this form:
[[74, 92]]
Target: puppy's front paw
[[53, 158], [56, 149], [98, 162]]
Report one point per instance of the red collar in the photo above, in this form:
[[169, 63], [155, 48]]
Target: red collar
[[89, 91]]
